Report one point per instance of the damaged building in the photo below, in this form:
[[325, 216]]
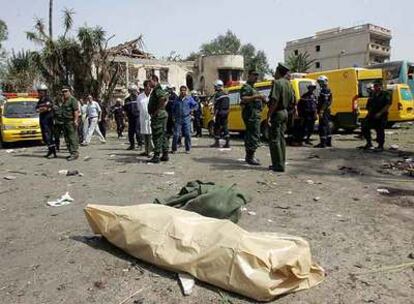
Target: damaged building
[[136, 66]]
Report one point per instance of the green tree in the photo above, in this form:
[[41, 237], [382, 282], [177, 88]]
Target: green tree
[[21, 71], [3, 32], [300, 63], [228, 44], [3, 37]]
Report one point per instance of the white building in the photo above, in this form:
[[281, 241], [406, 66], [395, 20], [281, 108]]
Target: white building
[[336, 48]]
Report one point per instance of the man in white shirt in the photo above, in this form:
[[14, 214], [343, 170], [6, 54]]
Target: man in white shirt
[[145, 118], [93, 114]]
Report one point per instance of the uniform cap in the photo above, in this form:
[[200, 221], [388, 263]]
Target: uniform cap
[[282, 68], [323, 78]]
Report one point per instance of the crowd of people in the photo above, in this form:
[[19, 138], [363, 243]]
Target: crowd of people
[[156, 115]]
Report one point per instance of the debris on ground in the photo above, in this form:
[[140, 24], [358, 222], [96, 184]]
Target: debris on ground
[[405, 166], [17, 172], [317, 199], [383, 191], [251, 213], [349, 170], [224, 149], [10, 151], [169, 173], [310, 182], [314, 156], [87, 158], [70, 173], [209, 238], [10, 177], [187, 283], [394, 147], [64, 200]]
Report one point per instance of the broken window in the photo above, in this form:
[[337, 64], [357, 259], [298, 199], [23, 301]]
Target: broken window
[[149, 73], [317, 65], [164, 75], [229, 75], [318, 48]]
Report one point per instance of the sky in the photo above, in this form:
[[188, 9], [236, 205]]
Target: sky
[[183, 25]]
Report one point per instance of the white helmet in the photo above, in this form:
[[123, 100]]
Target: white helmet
[[218, 83], [42, 87], [132, 87], [323, 79]]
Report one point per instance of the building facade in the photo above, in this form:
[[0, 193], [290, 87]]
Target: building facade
[[336, 48]]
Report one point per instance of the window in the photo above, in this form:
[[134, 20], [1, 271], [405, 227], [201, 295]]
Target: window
[[21, 109], [150, 72], [234, 98], [317, 65], [164, 75], [363, 85], [303, 87], [406, 94], [296, 52], [318, 48]]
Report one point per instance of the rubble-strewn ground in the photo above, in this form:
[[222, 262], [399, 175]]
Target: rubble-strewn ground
[[49, 255]]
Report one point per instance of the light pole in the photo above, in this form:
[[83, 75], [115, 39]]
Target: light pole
[[342, 53]]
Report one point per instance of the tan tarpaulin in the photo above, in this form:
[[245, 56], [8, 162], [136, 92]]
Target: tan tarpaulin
[[260, 266]]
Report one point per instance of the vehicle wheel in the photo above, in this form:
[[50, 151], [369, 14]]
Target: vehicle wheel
[[264, 130], [211, 128]]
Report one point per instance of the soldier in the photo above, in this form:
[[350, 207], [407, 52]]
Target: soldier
[[280, 98], [252, 105], [172, 96], [221, 114], [66, 113], [324, 113], [117, 112], [132, 111], [378, 105], [159, 117], [307, 114], [45, 108]]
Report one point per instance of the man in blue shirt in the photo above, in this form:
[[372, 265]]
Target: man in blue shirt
[[182, 107]]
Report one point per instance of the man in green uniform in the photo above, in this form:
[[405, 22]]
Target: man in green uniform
[[281, 96], [66, 113], [252, 105], [159, 117]]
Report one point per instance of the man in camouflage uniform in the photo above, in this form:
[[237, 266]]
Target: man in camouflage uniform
[[281, 96], [66, 113], [252, 105], [159, 117], [221, 115]]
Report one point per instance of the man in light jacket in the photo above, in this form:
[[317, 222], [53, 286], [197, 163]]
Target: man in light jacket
[[145, 118], [93, 115]]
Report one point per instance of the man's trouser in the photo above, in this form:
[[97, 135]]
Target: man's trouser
[[379, 126], [102, 128], [277, 143], [197, 126], [70, 134], [148, 143], [120, 125], [325, 133], [159, 135], [221, 126], [252, 135], [46, 126], [93, 128], [308, 126], [134, 131], [182, 128]]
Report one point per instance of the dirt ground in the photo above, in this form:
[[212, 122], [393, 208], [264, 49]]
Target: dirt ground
[[49, 254]]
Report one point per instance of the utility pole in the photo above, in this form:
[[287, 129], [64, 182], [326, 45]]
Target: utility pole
[[50, 19]]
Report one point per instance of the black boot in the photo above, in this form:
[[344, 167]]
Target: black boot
[[165, 156], [329, 142], [216, 143], [131, 147], [155, 159], [54, 151], [49, 152], [227, 144], [250, 159]]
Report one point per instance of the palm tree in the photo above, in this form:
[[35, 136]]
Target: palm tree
[[21, 72], [300, 63], [50, 19]]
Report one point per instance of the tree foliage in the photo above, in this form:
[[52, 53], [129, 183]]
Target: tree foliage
[[3, 32], [3, 37], [230, 44], [300, 63], [82, 61], [21, 71]]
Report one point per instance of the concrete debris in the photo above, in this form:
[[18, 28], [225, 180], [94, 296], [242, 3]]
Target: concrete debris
[[383, 191], [317, 199], [187, 283], [169, 173], [394, 147], [10, 151], [251, 213], [310, 182], [64, 200], [10, 177]]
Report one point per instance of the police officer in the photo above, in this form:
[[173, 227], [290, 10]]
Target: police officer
[[132, 112], [307, 113], [117, 112], [66, 114], [280, 98], [198, 114], [45, 108], [324, 113], [378, 105], [221, 114], [159, 117], [252, 105]]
